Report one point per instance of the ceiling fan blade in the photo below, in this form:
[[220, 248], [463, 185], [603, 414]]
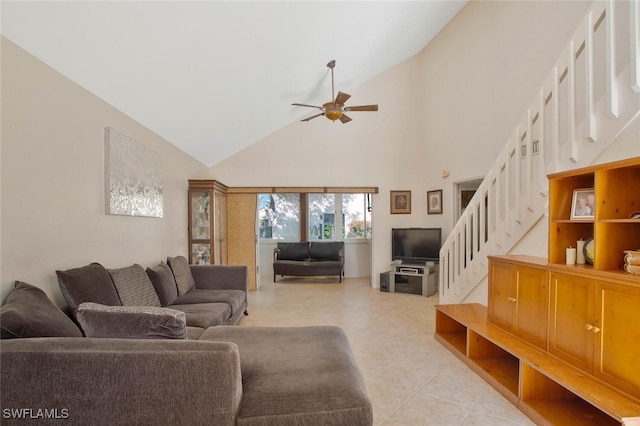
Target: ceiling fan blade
[[362, 108], [341, 98], [306, 105], [312, 117], [344, 118]]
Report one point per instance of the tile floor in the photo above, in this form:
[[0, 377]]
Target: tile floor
[[411, 379]]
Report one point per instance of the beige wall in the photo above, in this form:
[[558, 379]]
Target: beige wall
[[451, 107], [53, 191]]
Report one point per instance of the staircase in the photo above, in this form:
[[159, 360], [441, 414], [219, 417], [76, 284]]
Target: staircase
[[589, 97]]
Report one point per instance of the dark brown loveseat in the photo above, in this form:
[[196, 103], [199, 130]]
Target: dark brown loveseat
[[309, 258]]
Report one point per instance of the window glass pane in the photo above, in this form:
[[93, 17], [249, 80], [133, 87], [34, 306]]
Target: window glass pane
[[322, 216], [279, 216], [357, 224]]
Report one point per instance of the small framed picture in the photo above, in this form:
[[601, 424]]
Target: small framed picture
[[583, 204], [400, 202], [434, 202]]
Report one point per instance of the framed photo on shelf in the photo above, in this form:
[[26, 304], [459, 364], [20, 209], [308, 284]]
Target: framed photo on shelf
[[583, 204], [400, 202], [434, 202]]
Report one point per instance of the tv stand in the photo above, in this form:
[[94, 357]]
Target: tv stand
[[413, 278]]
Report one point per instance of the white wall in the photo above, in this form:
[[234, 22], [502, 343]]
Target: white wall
[[450, 107], [53, 191]]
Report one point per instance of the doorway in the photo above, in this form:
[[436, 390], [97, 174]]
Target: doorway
[[464, 191]]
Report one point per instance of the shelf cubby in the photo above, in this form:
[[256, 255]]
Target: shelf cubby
[[548, 402], [494, 365]]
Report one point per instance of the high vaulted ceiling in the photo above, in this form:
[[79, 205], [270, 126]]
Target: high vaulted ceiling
[[213, 77]]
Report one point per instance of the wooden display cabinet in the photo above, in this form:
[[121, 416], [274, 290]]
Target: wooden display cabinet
[[562, 341], [207, 222]]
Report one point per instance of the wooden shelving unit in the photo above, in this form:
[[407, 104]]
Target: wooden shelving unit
[[546, 389], [617, 191], [562, 342]]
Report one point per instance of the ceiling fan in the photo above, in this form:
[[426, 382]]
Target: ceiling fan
[[336, 109]]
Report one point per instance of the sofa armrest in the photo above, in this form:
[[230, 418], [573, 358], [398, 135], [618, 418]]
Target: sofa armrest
[[276, 254], [221, 277], [117, 381]]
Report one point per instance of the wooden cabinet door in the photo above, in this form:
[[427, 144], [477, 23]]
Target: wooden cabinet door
[[532, 306], [502, 294], [571, 312], [616, 331]]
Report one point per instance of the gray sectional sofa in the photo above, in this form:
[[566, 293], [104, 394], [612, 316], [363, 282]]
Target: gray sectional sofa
[[309, 258], [117, 362]]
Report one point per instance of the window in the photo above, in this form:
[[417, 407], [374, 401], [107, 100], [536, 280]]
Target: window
[[329, 216], [356, 216], [279, 216], [345, 212], [322, 216]]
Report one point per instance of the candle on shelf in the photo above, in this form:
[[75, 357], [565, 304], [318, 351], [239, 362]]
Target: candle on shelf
[[571, 256], [580, 260]]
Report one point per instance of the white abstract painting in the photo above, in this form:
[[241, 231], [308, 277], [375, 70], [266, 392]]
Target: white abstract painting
[[133, 177]]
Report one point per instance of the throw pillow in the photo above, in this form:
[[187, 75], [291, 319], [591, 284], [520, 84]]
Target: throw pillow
[[131, 322], [164, 283], [28, 312], [89, 283], [134, 286], [182, 273]]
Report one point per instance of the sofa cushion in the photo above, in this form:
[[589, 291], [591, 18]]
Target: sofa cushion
[[297, 376], [293, 251], [205, 315], [164, 283], [131, 322], [89, 283], [233, 298], [134, 286], [182, 273], [326, 250], [28, 312]]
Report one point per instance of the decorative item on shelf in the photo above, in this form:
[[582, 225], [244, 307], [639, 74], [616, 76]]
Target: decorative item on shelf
[[634, 215], [589, 251], [583, 205], [632, 261], [580, 259], [571, 256]]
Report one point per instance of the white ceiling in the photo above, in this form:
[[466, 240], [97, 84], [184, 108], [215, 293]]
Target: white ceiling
[[213, 77]]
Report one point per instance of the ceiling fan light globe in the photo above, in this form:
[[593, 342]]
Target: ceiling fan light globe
[[333, 114]]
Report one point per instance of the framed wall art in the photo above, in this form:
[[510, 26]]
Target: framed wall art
[[400, 202], [132, 176], [434, 202]]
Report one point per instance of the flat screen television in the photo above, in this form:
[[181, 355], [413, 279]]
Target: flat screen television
[[416, 245]]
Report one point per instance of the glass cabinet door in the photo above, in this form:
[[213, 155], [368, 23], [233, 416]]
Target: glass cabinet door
[[200, 254], [200, 216]]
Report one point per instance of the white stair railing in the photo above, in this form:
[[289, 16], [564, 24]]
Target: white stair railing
[[590, 96]]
